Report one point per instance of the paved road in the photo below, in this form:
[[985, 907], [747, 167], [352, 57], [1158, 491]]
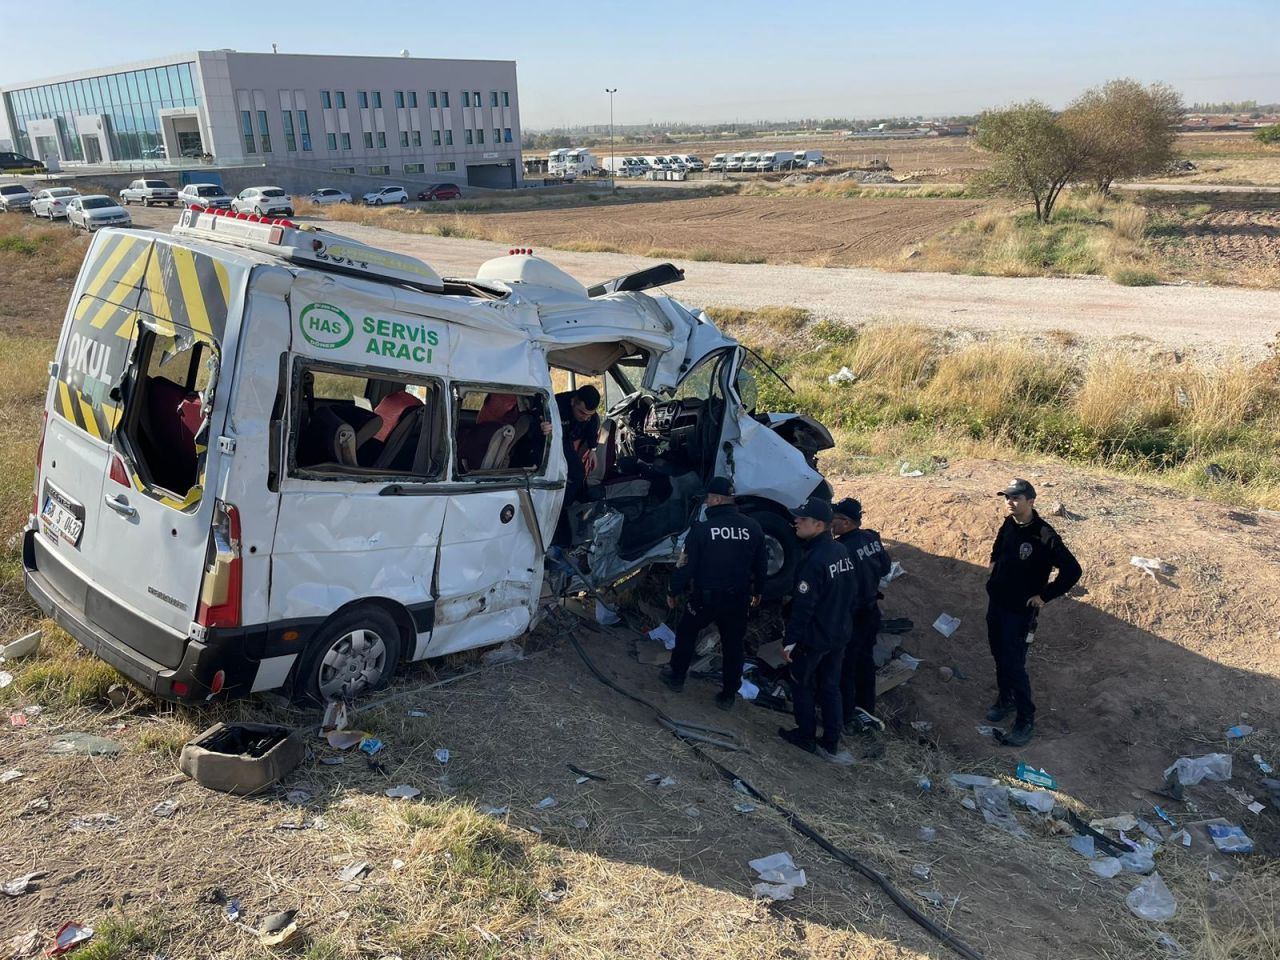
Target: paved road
[[1215, 322]]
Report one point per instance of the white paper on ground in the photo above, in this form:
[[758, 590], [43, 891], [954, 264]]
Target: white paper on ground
[[773, 891], [775, 861], [946, 624], [606, 617], [665, 635]]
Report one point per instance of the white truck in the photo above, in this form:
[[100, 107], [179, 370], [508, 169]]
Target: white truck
[[571, 163], [774, 160], [807, 158], [273, 458]]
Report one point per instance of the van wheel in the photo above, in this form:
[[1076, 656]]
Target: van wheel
[[783, 549], [354, 655]]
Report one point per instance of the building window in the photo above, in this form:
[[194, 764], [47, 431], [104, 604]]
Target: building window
[[493, 98], [497, 135], [379, 171], [448, 138], [404, 138], [399, 98], [368, 140], [346, 141], [466, 98], [362, 98], [377, 98], [435, 138], [246, 129], [290, 141], [506, 134], [446, 166], [332, 140], [479, 136], [506, 98], [264, 131], [342, 100], [432, 101], [342, 169], [417, 138], [470, 137], [413, 98], [304, 128], [444, 98], [326, 101], [415, 168], [382, 140], [475, 97]]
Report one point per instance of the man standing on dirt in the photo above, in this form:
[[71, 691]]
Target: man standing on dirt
[[1026, 551], [726, 564], [817, 632], [870, 563]]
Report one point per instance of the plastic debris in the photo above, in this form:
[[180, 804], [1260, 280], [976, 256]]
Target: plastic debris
[[22, 647], [994, 804], [606, 617], [93, 823], [279, 929], [933, 897], [745, 807], [354, 871], [1152, 900], [1262, 764], [988, 731], [17, 719], [1229, 838], [1171, 946], [1151, 566], [165, 808], [1083, 845], [740, 787], [335, 717], [664, 635], [1137, 861], [1106, 867], [1239, 731], [659, 780], [927, 834], [923, 783], [492, 811], [909, 661], [38, 805], [442, 755], [371, 745], [946, 624], [416, 713], [895, 571], [510, 653], [332, 761], [24, 944], [1160, 812], [1216, 877], [6, 678], [298, 797], [343, 739], [920, 871], [68, 938], [905, 470], [1149, 831], [546, 803], [20, 885], [773, 891], [969, 803], [10, 775], [1041, 801], [85, 743], [921, 726], [1040, 777], [402, 791], [1212, 766], [580, 822], [843, 375], [748, 690], [581, 780], [778, 868], [693, 812], [966, 780], [1126, 821], [233, 910]]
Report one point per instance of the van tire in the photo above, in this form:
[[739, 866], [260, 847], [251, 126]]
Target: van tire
[[337, 647], [780, 536]]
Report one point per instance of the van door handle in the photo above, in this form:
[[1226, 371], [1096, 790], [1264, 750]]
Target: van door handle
[[120, 505]]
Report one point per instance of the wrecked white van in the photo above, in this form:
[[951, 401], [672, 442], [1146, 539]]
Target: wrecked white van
[[275, 458]]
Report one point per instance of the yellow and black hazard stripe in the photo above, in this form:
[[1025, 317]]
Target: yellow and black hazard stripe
[[186, 287], [115, 271]]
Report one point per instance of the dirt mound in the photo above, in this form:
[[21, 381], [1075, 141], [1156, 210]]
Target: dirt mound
[[1238, 241]]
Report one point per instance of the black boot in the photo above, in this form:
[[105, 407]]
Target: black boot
[[1021, 734], [667, 676], [794, 738], [999, 710]]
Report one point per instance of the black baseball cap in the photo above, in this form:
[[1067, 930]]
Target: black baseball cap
[[849, 507], [720, 486], [815, 508], [1016, 487]]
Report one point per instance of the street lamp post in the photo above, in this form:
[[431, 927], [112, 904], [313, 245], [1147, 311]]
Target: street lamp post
[[612, 172]]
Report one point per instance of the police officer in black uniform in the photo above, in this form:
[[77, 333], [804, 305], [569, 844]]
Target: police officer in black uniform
[[726, 565], [870, 563], [817, 632], [1025, 552]]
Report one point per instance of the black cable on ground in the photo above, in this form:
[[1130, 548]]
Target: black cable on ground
[[793, 821]]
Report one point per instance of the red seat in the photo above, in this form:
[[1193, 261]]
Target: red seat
[[499, 408], [390, 409]]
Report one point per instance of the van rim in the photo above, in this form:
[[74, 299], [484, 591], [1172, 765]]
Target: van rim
[[355, 663]]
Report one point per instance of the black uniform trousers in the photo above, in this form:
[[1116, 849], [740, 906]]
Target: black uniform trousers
[[727, 609], [1007, 634], [858, 670], [815, 682]]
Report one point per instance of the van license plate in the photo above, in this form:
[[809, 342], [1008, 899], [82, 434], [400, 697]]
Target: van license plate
[[59, 518]]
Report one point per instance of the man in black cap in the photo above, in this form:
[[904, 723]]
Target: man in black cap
[[817, 632], [870, 563], [1025, 552], [726, 565]]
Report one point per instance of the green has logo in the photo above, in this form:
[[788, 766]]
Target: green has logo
[[325, 326]]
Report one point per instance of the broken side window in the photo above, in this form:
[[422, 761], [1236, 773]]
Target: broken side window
[[498, 430]]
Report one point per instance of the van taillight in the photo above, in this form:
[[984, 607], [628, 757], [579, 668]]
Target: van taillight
[[35, 494], [223, 570]]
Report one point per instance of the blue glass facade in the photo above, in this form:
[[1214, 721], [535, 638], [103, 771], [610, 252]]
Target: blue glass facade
[[131, 102]]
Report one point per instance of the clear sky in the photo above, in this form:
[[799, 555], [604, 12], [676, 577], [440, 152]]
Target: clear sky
[[716, 61]]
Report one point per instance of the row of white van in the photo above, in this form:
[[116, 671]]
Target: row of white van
[[768, 161], [640, 166]]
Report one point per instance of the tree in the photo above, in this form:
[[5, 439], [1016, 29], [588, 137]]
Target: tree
[[1269, 134], [1035, 155], [1127, 130]]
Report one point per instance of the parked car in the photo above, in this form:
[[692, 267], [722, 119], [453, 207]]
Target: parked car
[[147, 192], [263, 201], [14, 196], [204, 195], [386, 195], [52, 203], [441, 191], [92, 212], [157, 151], [327, 195], [16, 161]]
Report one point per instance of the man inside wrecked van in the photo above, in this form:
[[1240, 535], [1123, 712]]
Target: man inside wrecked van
[[580, 426]]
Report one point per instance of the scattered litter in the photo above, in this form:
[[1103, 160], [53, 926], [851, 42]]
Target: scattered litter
[[24, 944], [927, 834], [1137, 861], [748, 690], [85, 743], [1040, 777], [994, 804], [510, 653], [332, 761], [1160, 812], [1149, 831], [416, 713], [371, 745], [778, 868], [1083, 845], [165, 808], [343, 739], [581, 780], [996, 733], [20, 885], [1151, 566], [1106, 867], [895, 571], [946, 673], [1239, 731], [68, 938], [604, 616], [38, 805], [966, 780], [662, 781], [1040, 801], [580, 822], [6, 678], [93, 823], [905, 470], [10, 775], [773, 891], [693, 812], [920, 871], [907, 661], [1182, 837], [665, 635], [921, 726], [843, 375], [745, 807], [1171, 946], [946, 624], [397, 864], [442, 755], [1126, 821], [586, 773], [546, 803], [491, 811], [22, 647], [17, 719], [1212, 766], [402, 791], [353, 872], [933, 897], [739, 786], [1229, 838], [1262, 764], [1216, 877], [1256, 807], [233, 910], [1152, 900], [968, 803], [117, 695], [279, 929], [298, 797], [335, 717], [923, 782]]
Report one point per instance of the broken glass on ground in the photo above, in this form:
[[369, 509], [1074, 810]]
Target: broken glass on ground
[[994, 804], [84, 743], [1191, 770]]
